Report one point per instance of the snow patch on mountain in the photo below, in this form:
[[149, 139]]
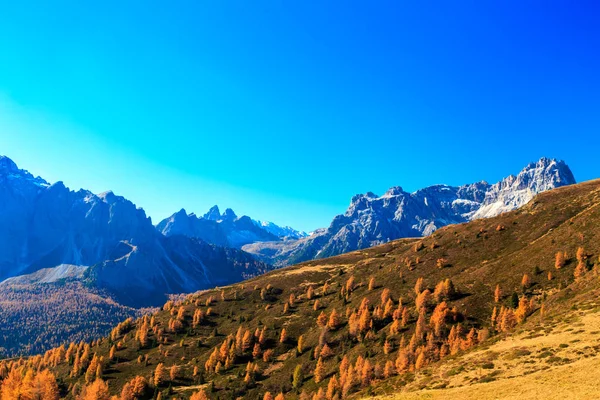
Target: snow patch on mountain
[[284, 232]]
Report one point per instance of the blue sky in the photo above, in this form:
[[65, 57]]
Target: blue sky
[[284, 110]]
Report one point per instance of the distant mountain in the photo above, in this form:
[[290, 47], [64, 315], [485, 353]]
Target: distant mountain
[[45, 226], [283, 232], [371, 220], [225, 229], [221, 229]]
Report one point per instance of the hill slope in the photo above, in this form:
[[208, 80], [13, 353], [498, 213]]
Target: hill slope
[[39, 316], [216, 340], [551, 356]]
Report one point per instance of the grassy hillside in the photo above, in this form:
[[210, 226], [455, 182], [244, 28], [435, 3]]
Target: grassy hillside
[[401, 344], [551, 356]]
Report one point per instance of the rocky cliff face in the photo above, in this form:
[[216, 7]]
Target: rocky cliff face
[[515, 191], [371, 220], [45, 226]]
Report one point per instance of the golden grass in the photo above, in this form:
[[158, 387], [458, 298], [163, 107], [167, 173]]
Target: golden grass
[[563, 363], [579, 380]]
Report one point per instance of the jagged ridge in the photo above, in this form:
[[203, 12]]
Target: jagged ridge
[[44, 226], [371, 220]]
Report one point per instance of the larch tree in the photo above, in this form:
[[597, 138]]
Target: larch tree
[[257, 351], [199, 395], [298, 377], [523, 310], [319, 371], [497, 294], [419, 286], [405, 316], [388, 347], [350, 284], [371, 283], [326, 351], [580, 270], [317, 305], [160, 374], [174, 373], [366, 373], [300, 346], [438, 318], [421, 325], [95, 391], [322, 319], [134, 389], [310, 292], [268, 396], [526, 282], [581, 255], [268, 355], [560, 260], [421, 361], [389, 370], [47, 386], [247, 341], [423, 299], [283, 337], [334, 320]]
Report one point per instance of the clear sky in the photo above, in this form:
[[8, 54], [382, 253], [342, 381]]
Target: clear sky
[[283, 110]]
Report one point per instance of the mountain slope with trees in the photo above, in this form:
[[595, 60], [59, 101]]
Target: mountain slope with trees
[[368, 322]]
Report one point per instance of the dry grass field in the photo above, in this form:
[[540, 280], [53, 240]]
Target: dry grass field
[[555, 359]]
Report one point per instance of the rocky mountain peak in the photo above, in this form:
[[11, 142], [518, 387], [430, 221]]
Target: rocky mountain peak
[[9, 170], [546, 173], [515, 191], [213, 214], [394, 191], [7, 165], [229, 214]]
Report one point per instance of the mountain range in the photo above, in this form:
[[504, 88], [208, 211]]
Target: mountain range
[[225, 229], [371, 219], [46, 225], [102, 248]]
